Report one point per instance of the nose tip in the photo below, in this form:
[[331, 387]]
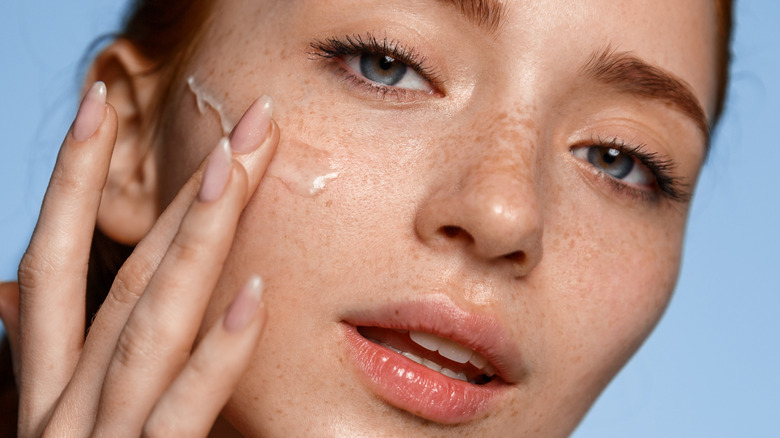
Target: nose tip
[[492, 223]]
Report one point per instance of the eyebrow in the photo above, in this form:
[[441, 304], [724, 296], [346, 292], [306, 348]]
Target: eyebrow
[[631, 75], [484, 13]]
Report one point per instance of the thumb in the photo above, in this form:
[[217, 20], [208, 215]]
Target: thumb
[[9, 313]]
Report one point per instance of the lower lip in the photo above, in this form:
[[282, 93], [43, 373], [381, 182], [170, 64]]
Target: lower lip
[[416, 388]]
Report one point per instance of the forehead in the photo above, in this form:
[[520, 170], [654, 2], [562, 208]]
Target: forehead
[[679, 37]]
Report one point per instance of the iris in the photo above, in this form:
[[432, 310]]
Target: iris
[[382, 69], [611, 161]]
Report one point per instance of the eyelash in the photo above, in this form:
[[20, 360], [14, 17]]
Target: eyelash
[[335, 49], [667, 185]]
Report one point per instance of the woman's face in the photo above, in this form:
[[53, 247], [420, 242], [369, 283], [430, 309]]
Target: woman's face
[[516, 184]]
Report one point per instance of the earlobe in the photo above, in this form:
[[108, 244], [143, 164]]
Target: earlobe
[[128, 207]]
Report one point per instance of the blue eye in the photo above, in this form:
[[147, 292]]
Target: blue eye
[[387, 71], [616, 163], [382, 69], [611, 161]]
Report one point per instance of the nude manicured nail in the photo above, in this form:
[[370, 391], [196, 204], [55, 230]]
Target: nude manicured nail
[[91, 112], [217, 172], [253, 126], [245, 305]]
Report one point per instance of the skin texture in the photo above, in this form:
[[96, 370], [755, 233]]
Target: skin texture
[[605, 264], [576, 270]]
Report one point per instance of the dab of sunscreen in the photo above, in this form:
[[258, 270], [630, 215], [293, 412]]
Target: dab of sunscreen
[[302, 168], [206, 100]]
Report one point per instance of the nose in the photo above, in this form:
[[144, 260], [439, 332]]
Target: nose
[[491, 213]]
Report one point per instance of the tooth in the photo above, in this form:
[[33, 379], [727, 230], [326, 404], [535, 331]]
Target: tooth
[[431, 364], [452, 374], [455, 352], [412, 357], [449, 373], [478, 361], [426, 340], [489, 370]]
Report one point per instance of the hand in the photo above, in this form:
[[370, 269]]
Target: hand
[[136, 371]]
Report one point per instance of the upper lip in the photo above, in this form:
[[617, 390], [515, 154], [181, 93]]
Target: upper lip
[[438, 315]]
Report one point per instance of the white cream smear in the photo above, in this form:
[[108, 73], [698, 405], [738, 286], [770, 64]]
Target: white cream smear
[[205, 100], [301, 167]]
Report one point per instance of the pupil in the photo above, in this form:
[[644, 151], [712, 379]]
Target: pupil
[[386, 63], [611, 161], [611, 156]]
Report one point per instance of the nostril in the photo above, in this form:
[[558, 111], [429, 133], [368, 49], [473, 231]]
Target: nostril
[[451, 230], [517, 257]]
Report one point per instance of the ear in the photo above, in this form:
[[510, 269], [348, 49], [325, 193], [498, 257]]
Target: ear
[[128, 208]]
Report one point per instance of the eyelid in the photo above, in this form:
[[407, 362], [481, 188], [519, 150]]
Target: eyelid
[[421, 84], [666, 184], [335, 50]]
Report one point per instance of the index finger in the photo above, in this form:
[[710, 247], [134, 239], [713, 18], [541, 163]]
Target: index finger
[[52, 273]]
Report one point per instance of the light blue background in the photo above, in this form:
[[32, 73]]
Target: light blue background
[[711, 369]]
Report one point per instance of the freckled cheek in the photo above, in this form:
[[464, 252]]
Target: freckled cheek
[[309, 244], [622, 282]]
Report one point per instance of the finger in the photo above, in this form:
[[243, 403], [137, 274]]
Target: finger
[[158, 336], [192, 403], [52, 274], [256, 138], [9, 313], [81, 397]]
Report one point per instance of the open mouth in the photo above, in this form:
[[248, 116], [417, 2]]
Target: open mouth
[[433, 359], [436, 353]]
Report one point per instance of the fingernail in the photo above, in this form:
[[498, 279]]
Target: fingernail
[[90, 114], [217, 172], [253, 126], [245, 305]]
